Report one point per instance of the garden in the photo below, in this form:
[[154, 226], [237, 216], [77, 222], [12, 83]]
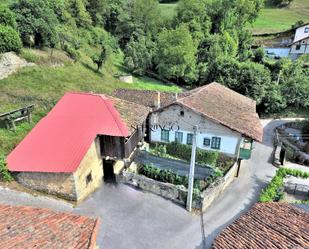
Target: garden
[[279, 190]]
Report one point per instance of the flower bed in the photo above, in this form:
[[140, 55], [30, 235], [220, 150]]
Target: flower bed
[[274, 190]]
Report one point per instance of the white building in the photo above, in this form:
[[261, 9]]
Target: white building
[[300, 44], [227, 121], [224, 119]]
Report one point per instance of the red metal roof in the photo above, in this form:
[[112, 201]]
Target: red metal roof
[[59, 141]]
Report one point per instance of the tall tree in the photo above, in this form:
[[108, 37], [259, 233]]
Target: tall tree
[[176, 54]]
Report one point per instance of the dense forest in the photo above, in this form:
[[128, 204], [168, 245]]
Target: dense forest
[[207, 40]]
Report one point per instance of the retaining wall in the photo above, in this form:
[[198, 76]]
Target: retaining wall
[[176, 193]]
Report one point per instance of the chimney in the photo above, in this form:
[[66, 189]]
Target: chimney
[[158, 100]]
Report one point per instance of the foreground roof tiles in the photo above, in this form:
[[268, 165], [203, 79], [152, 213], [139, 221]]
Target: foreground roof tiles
[[267, 225], [60, 140], [27, 227]]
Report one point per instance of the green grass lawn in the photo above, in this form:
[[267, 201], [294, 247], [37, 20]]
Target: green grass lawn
[[43, 85], [279, 19]]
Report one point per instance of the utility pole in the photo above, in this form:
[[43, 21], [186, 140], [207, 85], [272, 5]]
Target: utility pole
[[191, 174]]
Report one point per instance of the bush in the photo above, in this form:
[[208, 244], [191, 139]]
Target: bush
[[169, 176], [9, 40], [7, 17], [274, 190], [4, 173], [73, 53], [183, 151]]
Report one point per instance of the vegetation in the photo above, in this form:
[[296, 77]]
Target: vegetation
[[168, 176], [4, 173], [274, 190], [270, 19], [183, 151]]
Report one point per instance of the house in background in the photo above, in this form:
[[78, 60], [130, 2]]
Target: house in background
[[227, 121], [300, 44], [81, 140], [29, 227]]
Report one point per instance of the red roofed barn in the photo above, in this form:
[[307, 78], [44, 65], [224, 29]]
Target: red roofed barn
[[65, 154]]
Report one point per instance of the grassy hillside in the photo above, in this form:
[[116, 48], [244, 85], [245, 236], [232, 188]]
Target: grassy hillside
[[45, 83], [280, 19], [168, 10]]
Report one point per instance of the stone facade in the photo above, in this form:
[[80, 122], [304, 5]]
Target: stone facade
[[70, 186], [181, 119]]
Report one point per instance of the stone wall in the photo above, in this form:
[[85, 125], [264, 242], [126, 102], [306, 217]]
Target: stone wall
[[58, 184], [178, 194], [90, 166], [217, 187], [69, 186]]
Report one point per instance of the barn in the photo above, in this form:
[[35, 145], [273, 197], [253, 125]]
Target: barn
[[83, 136]]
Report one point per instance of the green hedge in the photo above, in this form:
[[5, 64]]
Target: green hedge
[[274, 190], [167, 176], [9, 40], [183, 151]]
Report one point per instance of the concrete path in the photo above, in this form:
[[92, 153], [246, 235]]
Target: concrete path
[[177, 166], [137, 220]]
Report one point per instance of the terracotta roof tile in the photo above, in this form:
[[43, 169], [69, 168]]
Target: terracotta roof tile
[[27, 227], [227, 107], [267, 225]]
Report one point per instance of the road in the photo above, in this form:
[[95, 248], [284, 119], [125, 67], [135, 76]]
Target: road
[[178, 166], [133, 219]]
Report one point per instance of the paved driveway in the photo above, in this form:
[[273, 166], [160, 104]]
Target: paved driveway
[[133, 219]]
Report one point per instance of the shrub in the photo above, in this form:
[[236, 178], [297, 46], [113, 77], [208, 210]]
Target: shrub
[[73, 53], [183, 151], [169, 177], [4, 173], [9, 39], [274, 190], [7, 17]]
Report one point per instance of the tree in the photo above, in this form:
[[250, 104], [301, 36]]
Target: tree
[[138, 18], [78, 10], [176, 54], [7, 17], [9, 39], [139, 55], [36, 21], [99, 59]]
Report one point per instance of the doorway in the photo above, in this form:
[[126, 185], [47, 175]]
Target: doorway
[[108, 169]]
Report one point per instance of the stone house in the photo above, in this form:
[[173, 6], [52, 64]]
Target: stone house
[[71, 150], [227, 121], [300, 44]]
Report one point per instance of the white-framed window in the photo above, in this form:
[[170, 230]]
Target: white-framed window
[[165, 135], [178, 137], [189, 138], [206, 142], [307, 30], [298, 46], [216, 143]]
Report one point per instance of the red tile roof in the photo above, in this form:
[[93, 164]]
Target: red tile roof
[[59, 141], [227, 107], [27, 227], [267, 225]]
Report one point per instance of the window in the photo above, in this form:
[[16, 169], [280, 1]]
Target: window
[[182, 113], [307, 30], [178, 137], [215, 143], [298, 47], [206, 141], [189, 138], [165, 135], [88, 178]]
